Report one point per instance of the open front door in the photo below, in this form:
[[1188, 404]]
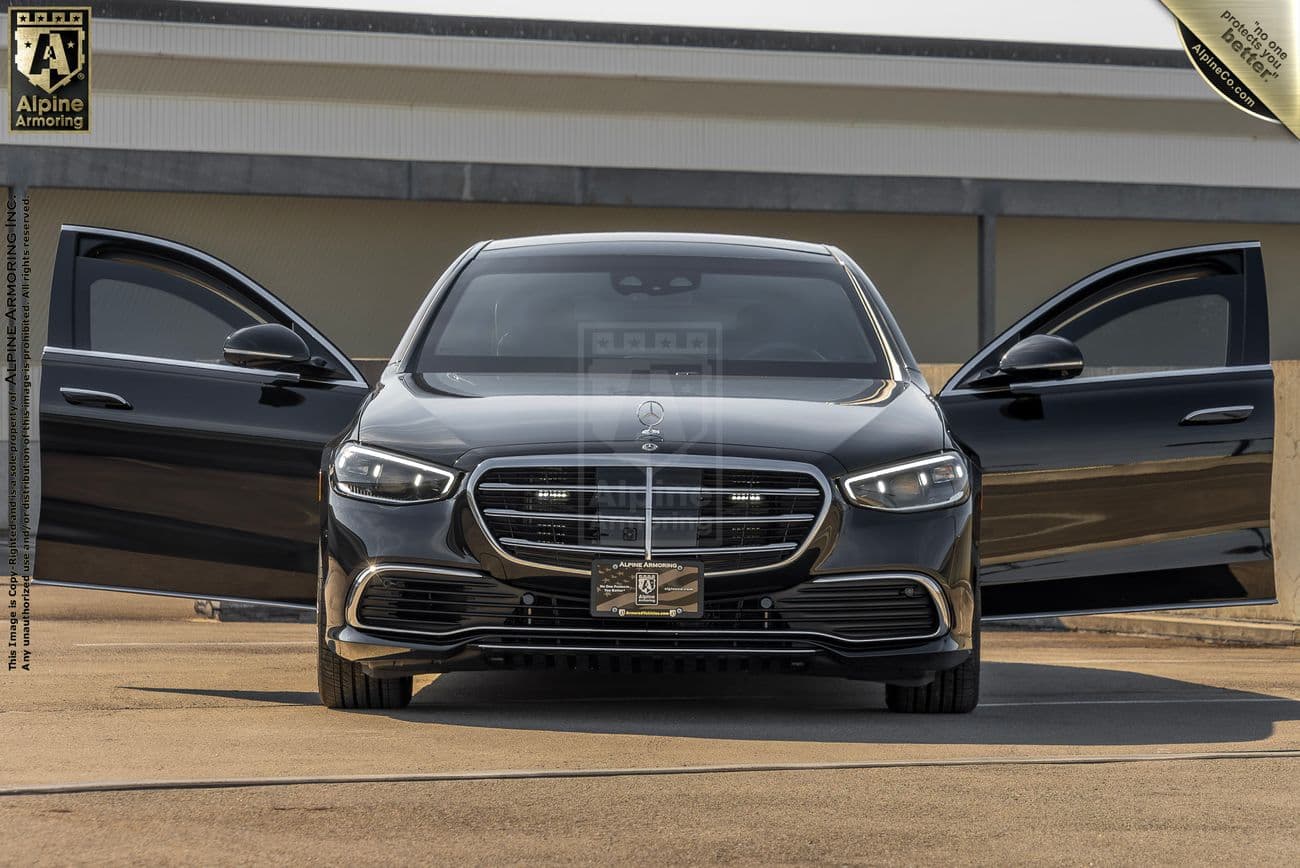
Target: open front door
[[165, 469], [1143, 481]]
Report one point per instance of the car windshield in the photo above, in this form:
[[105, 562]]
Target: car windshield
[[563, 312]]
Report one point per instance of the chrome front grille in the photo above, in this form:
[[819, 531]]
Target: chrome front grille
[[731, 518]]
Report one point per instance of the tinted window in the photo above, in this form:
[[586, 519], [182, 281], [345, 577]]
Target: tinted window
[[140, 310], [1176, 320], [643, 314]]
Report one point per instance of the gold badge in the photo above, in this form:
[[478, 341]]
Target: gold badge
[[1244, 50], [49, 82]]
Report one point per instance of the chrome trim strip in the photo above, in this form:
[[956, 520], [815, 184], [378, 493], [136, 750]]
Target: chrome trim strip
[[82, 586], [107, 400], [1112, 378], [895, 365], [265, 354], [233, 371], [932, 587], [613, 550], [231, 272], [365, 575], [677, 652], [650, 461], [671, 489], [418, 324], [560, 516], [1235, 413], [1063, 365], [649, 497], [572, 516], [713, 550], [694, 550], [733, 519], [1119, 611]]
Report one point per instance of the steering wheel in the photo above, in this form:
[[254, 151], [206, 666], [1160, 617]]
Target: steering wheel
[[792, 350]]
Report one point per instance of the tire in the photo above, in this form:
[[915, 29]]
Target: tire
[[956, 691], [344, 684]]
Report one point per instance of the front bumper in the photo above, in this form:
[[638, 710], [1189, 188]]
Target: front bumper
[[853, 546], [465, 620], [912, 664]]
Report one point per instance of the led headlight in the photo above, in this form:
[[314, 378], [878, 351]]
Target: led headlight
[[373, 474], [922, 483]]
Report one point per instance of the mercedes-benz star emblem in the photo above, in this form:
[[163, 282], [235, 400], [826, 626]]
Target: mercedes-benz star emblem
[[650, 413]]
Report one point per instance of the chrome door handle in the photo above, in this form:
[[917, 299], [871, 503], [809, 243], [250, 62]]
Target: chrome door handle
[[92, 398], [1218, 415]]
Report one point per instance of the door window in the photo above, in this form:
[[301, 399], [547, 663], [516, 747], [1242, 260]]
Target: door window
[[1180, 319], [142, 309]]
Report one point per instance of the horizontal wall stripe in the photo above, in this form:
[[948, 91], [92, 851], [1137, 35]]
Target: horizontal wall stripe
[[621, 34], [253, 174], [436, 133], [262, 44]]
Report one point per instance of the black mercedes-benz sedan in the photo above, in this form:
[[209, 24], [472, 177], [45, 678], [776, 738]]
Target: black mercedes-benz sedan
[[656, 453]]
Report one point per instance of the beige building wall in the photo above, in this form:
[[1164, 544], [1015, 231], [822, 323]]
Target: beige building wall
[[358, 268]]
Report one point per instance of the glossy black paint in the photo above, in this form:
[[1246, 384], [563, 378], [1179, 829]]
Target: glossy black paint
[[459, 420], [1096, 496], [1181, 514], [207, 483], [1089, 493], [269, 345], [1041, 358], [206, 486]]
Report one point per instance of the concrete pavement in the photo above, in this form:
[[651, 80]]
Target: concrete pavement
[[1198, 751]]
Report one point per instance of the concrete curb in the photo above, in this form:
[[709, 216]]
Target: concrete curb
[[1190, 627], [226, 611]]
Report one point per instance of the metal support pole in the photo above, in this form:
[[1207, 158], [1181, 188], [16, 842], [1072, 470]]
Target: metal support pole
[[986, 304]]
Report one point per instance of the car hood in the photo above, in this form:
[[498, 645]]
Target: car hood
[[460, 419]]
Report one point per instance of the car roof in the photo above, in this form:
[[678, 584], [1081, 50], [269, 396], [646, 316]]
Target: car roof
[[685, 239]]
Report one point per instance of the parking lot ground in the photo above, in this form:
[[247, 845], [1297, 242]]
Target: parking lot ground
[[1086, 748]]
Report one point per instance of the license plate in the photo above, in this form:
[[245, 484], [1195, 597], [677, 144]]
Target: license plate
[[646, 589]]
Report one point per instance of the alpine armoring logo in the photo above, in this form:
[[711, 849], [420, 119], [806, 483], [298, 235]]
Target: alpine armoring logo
[[49, 81]]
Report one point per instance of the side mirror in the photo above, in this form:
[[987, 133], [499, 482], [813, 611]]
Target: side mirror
[[269, 345], [1041, 357]]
